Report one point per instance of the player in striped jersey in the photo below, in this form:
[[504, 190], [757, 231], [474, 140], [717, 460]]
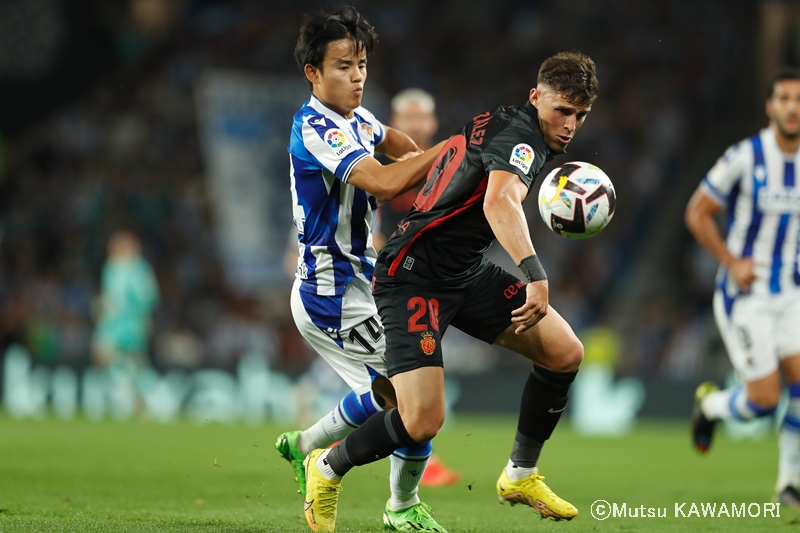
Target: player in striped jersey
[[757, 301], [335, 185], [432, 273]]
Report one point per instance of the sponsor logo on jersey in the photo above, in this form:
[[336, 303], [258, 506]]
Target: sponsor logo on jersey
[[338, 142], [779, 200], [522, 157], [318, 122], [428, 343]]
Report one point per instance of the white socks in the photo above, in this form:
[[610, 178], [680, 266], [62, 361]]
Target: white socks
[[516, 473], [789, 443], [407, 466], [324, 468], [728, 404], [327, 430]]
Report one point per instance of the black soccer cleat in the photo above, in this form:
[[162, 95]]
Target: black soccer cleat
[[702, 427], [789, 497]]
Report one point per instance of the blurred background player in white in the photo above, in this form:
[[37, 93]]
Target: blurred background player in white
[[413, 113], [129, 297], [335, 184], [757, 301]]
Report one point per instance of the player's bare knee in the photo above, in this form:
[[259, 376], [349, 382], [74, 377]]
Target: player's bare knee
[[421, 432], [425, 433], [571, 357], [423, 427]]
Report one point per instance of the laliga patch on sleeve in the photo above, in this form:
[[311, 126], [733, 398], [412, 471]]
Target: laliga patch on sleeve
[[522, 157], [338, 142]]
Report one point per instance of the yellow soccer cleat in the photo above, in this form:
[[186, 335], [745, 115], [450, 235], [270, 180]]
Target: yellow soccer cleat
[[322, 496], [532, 491]]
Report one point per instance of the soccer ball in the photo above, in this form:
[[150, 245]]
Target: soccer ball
[[576, 200]]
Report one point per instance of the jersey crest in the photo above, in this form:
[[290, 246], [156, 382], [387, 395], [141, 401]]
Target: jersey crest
[[427, 343]]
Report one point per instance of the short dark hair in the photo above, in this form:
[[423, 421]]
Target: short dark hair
[[319, 29], [571, 74], [782, 74]]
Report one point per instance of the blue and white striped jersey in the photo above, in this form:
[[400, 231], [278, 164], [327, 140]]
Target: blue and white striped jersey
[[334, 219], [757, 184]]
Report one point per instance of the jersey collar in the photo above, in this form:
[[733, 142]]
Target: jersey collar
[[533, 113]]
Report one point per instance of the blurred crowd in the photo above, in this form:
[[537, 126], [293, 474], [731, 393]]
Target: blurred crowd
[[125, 154]]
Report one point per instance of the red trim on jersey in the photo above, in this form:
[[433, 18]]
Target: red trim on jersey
[[474, 198], [439, 178]]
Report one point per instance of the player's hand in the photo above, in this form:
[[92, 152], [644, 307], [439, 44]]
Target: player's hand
[[742, 272], [409, 155], [535, 308]]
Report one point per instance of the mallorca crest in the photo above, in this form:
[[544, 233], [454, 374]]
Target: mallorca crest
[[428, 343]]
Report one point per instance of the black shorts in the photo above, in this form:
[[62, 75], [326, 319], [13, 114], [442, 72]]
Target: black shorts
[[415, 316]]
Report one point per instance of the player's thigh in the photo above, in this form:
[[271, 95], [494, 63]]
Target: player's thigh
[[790, 366], [550, 343], [491, 296], [421, 401], [788, 337], [486, 315], [747, 330], [356, 353], [414, 318], [787, 333]]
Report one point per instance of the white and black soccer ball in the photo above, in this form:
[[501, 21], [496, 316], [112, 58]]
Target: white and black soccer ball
[[577, 200]]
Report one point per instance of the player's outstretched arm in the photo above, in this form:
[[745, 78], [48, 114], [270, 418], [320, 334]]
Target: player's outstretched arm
[[396, 145], [699, 219], [387, 182], [503, 209]]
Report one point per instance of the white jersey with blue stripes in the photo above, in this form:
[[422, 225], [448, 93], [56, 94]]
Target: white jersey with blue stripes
[[334, 219], [757, 184]]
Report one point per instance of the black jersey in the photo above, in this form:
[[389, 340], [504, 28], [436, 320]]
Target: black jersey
[[445, 234]]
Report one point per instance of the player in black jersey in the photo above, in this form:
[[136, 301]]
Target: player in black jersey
[[432, 273]]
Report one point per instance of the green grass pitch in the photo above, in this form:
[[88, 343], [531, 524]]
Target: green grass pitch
[[85, 476]]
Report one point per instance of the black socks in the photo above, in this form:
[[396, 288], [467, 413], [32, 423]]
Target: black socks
[[375, 439], [543, 401]]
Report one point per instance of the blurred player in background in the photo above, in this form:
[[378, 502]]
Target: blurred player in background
[[129, 297], [757, 301], [335, 184], [413, 113], [432, 273]]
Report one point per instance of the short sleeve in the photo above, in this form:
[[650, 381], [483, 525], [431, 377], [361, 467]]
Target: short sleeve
[[724, 175], [332, 146], [378, 132], [506, 152], [371, 128]]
